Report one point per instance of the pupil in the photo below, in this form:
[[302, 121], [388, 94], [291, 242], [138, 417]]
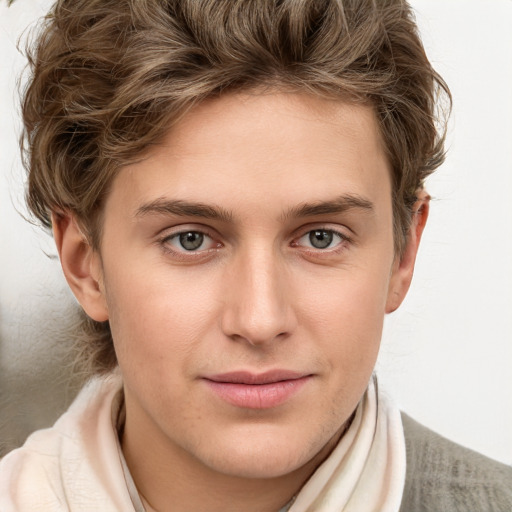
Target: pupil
[[191, 240], [320, 239]]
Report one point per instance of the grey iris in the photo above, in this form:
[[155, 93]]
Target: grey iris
[[192, 240], [321, 239]]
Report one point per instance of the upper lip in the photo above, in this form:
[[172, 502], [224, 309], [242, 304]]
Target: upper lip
[[245, 377]]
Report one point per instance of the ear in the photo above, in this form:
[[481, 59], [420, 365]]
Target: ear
[[81, 265], [403, 267]]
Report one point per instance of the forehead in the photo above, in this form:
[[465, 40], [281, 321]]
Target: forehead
[[277, 149]]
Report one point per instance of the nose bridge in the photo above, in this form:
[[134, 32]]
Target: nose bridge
[[257, 306]]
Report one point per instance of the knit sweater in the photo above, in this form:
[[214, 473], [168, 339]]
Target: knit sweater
[[445, 477]]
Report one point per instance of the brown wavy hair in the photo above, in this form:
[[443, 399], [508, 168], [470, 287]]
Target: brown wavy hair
[[109, 78]]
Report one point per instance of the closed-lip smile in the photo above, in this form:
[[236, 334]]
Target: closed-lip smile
[[257, 390]]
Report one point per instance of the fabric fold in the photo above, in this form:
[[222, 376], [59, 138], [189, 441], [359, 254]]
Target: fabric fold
[[366, 470]]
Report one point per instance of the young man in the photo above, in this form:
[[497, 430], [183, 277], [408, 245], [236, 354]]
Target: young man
[[236, 195]]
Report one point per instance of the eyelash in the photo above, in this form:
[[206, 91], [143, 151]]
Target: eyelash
[[185, 255], [344, 240]]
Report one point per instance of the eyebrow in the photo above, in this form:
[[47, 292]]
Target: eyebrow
[[340, 204], [163, 206], [181, 208]]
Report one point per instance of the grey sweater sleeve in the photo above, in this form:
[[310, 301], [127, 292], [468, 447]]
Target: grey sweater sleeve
[[445, 477]]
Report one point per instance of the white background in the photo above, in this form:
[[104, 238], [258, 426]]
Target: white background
[[447, 353]]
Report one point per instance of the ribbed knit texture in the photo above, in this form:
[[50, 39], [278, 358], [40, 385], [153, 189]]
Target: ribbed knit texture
[[445, 477]]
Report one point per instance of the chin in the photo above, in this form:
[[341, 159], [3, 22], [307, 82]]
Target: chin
[[258, 465], [263, 454]]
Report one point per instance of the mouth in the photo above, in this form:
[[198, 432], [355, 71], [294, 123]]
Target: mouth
[[257, 391]]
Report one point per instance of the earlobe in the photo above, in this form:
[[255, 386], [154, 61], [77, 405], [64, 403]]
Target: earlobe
[[81, 265], [403, 268]]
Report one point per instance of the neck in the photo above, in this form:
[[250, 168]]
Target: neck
[[254, 498]]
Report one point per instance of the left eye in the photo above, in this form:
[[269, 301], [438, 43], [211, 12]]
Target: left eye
[[190, 241], [321, 239]]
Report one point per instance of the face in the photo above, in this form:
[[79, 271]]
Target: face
[[246, 266]]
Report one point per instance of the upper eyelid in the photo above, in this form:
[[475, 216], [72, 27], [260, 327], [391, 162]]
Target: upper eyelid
[[343, 244], [342, 236], [173, 231], [170, 233], [304, 230], [178, 233], [164, 242], [338, 233]]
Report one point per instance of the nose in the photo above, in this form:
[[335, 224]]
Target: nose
[[258, 304]]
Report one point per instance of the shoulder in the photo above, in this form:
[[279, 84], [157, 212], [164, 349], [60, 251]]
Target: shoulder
[[62, 468], [444, 476]]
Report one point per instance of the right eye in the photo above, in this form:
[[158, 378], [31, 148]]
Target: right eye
[[189, 241]]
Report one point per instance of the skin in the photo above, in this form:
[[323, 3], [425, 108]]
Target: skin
[[258, 294]]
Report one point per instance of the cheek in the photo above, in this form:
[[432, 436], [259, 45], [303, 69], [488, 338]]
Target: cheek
[[351, 301], [154, 315], [345, 314]]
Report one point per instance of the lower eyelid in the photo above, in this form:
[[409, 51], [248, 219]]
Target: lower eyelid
[[342, 237], [169, 246], [207, 240], [164, 242]]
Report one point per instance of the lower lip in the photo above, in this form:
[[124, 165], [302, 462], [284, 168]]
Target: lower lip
[[257, 396]]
